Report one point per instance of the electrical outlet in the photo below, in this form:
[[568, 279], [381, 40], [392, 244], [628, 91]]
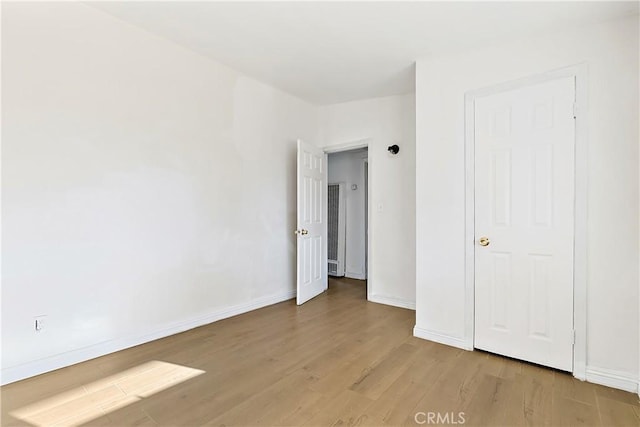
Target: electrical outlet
[[39, 322]]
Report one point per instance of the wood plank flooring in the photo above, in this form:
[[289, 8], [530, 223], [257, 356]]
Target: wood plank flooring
[[337, 360]]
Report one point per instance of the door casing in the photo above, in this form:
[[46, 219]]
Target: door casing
[[579, 72]]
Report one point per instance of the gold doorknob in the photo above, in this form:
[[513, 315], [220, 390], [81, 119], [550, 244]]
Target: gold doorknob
[[484, 241]]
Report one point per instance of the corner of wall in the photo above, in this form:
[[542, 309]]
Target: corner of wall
[[441, 338], [395, 302], [611, 378]]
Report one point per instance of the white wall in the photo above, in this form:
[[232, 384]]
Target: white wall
[[146, 189], [384, 121], [348, 167], [611, 53]]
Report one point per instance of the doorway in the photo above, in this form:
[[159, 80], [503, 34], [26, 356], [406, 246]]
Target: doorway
[[524, 221], [347, 217]]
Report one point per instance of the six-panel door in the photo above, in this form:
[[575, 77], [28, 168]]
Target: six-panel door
[[312, 210], [524, 207]]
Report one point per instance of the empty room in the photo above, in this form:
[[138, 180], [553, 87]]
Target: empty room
[[320, 213]]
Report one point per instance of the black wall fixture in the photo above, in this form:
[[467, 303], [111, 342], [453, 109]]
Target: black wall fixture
[[393, 149]]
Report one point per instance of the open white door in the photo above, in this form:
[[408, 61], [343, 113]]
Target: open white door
[[311, 223]]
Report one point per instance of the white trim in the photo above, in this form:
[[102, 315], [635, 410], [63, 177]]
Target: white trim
[[365, 167], [37, 367], [441, 338], [395, 302], [579, 72], [580, 225], [353, 275], [369, 231], [325, 228], [611, 378], [348, 146], [469, 226]]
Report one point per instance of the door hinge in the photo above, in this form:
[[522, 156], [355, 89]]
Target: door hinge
[[573, 337], [575, 110]]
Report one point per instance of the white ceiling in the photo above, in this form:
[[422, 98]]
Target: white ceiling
[[330, 52]]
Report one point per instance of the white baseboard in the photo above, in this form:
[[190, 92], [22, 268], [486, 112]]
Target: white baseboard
[[357, 276], [441, 338], [37, 367], [611, 378], [606, 377], [396, 302]]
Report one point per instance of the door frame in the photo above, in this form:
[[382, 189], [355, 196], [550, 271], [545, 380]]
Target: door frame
[[579, 72], [365, 165], [354, 145]]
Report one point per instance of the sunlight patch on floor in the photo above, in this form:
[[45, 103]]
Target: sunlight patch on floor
[[106, 395]]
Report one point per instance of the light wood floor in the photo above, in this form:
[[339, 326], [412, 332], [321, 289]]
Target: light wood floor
[[337, 360]]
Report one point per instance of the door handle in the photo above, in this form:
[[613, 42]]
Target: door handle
[[484, 241], [303, 232]]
